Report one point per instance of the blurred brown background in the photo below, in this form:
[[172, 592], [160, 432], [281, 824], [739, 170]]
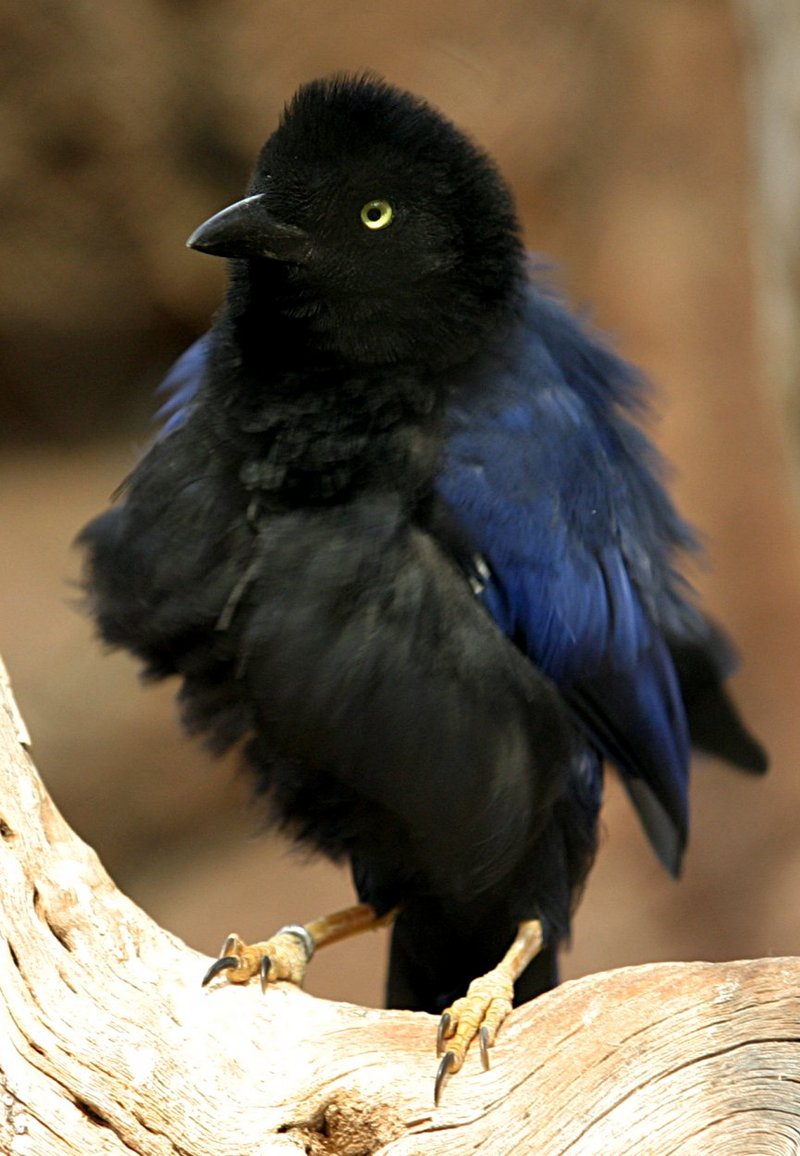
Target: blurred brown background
[[652, 150]]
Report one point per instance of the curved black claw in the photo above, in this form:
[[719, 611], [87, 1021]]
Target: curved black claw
[[441, 1032], [483, 1038], [263, 971], [224, 963], [448, 1059]]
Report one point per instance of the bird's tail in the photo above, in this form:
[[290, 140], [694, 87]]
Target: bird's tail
[[435, 955], [715, 726]]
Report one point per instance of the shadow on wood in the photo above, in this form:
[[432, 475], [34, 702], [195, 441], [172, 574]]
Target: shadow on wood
[[109, 1045]]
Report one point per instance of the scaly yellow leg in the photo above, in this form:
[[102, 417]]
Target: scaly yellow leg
[[287, 954], [488, 1001]]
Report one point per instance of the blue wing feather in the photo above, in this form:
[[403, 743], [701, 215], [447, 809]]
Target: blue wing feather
[[559, 493], [181, 386]]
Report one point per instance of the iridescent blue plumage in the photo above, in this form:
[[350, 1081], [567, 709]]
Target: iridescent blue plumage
[[181, 384], [556, 489]]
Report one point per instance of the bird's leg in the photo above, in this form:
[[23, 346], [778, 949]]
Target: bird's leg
[[488, 1001], [287, 954]]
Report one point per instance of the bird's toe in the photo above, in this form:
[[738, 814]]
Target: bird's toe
[[283, 957], [479, 1014]]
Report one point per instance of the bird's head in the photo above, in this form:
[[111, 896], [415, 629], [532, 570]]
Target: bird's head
[[377, 224]]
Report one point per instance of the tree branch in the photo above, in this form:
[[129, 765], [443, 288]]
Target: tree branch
[[109, 1045]]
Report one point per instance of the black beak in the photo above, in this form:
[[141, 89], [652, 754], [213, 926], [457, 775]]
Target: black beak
[[247, 229]]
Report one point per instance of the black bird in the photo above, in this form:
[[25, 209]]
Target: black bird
[[402, 538]]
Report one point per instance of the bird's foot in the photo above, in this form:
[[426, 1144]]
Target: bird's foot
[[287, 954], [479, 1013], [283, 957]]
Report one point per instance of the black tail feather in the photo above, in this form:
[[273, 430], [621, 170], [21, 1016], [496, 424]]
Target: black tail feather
[[715, 725]]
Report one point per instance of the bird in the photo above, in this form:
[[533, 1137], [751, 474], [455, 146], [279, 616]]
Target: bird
[[405, 541]]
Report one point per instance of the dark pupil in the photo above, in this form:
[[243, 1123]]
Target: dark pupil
[[374, 214]]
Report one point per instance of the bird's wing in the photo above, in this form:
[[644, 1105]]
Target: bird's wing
[[181, 385], [558, 493]]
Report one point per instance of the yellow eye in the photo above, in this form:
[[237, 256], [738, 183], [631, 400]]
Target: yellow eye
[[377, 214]]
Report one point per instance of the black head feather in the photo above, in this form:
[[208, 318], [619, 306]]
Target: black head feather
[[423, 290]]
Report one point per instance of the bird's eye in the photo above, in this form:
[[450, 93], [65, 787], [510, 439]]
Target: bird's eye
[[377, 214]]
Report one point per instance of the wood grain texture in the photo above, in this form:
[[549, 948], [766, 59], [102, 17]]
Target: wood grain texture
[[109, 1045]]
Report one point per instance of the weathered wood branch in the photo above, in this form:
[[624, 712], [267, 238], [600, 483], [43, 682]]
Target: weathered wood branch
[[109, 1045]]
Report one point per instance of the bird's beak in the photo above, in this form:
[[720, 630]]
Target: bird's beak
[[248, 229]]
